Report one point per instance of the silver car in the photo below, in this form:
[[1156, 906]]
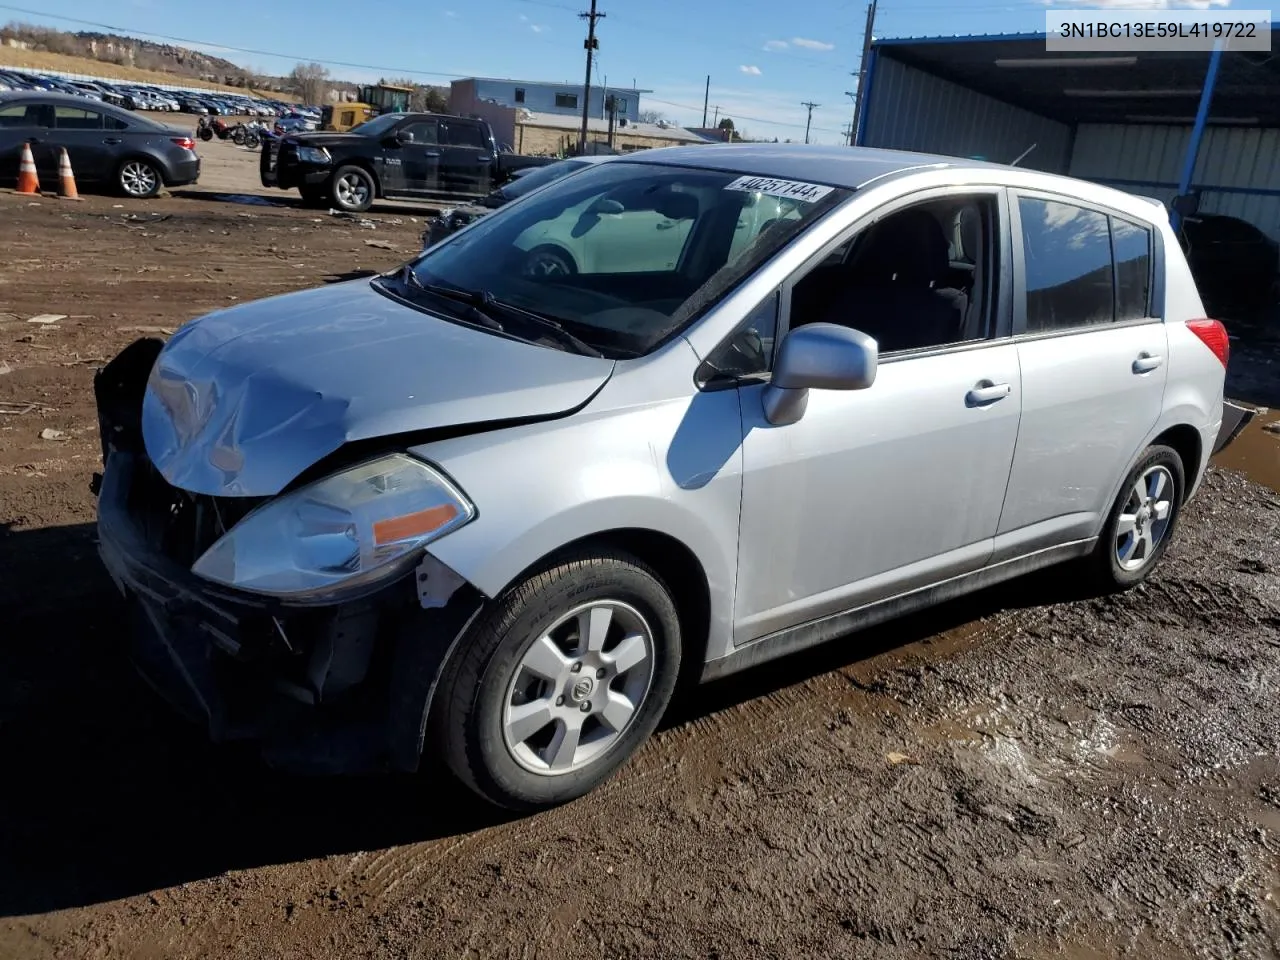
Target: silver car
[[497, 514]]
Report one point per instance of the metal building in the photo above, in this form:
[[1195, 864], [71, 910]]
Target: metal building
[[1162, 124]]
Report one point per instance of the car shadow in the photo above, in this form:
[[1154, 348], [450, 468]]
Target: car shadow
[[108, 794]]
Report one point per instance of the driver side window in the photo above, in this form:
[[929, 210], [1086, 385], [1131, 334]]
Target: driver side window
[[918, 278], [424, 131]]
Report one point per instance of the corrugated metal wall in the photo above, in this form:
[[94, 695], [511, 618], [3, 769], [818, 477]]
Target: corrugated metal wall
[[909, 109], [1150, 158]]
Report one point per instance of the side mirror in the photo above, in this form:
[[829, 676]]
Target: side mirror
[[819, 356], [400, 137]]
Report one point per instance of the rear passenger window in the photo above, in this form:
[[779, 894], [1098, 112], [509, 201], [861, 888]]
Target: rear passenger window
[[1132, 246], [1067, 255], [73, 118], [463, 135]]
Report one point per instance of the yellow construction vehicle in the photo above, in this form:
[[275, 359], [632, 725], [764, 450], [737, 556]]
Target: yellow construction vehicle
[[374, 99]]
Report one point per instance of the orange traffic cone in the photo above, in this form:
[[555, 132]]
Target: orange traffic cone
[[28, 180], [66, 179]]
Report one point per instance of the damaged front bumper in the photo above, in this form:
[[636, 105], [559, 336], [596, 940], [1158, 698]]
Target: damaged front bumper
[[343, 688]]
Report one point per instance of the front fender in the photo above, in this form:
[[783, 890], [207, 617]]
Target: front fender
[[672, 467]]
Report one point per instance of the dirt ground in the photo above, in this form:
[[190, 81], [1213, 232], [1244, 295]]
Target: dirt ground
[[1028, 773]]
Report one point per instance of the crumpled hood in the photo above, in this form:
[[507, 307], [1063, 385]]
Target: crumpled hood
[[241, 401]]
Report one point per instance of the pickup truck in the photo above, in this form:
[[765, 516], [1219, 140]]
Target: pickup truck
[[395, 156]]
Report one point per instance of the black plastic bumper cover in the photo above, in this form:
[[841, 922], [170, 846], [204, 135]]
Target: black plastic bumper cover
[[182, 626], [1234, 419]]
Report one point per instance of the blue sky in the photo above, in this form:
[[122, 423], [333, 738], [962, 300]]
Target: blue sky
[[764, 57]]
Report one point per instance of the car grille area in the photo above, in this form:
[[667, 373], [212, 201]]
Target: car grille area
[[178, 524]]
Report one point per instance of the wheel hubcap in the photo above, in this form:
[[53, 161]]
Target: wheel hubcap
[[352, 190], [1144, 519], [578, 687], [545, 266], [138, 178]]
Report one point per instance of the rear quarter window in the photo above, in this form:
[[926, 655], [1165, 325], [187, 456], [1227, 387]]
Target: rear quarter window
[[463, 135]]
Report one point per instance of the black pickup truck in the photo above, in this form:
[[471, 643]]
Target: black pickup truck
[[395, 156]]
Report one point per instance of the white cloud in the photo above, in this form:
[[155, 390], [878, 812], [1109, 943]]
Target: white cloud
[[536, 27], [776, 45], [752, 70], [812, 44], [523, 18], [1142, 4], [451, 14]]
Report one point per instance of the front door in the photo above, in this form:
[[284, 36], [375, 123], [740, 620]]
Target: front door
[[1093, 360], [26, 123], [467, 160], [878, 492], [415, 164]]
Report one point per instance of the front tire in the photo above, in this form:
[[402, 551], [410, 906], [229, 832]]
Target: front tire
[[1142, 520], [560, 682], [352, 189]]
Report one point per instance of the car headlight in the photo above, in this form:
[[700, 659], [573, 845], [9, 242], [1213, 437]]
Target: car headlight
[[313, 155], [358, 526]]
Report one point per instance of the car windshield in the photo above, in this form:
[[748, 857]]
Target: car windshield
[[540, 177], [624, 255], [376, 126]]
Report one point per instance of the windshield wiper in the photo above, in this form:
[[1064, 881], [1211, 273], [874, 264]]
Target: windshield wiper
[[543, 322], [411, 279], [482, 302]]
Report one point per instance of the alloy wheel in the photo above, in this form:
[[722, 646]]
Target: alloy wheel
[[1144, 520]]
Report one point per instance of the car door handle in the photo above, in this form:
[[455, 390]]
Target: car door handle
[[1146, 362], [987, 392], [666, 225], [112, 140], [484, 159]]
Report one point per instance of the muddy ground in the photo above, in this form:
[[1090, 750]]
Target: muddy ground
[[1027, 773]]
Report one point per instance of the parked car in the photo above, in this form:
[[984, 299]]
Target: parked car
[[108, 146], [1235, 264], [525, 181], [477, 509], [403, 156]]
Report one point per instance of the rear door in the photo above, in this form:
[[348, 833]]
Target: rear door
[[1093, 352], [467, 160], [414, 166], [26, 122], [92, 139]]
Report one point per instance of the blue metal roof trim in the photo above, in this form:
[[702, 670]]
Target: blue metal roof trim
[[993, 37], [957, 38]]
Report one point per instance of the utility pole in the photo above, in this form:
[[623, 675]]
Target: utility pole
[[716, 120], [848, 133], [706, 98], [809, 120], [591, 45], [859, 103]]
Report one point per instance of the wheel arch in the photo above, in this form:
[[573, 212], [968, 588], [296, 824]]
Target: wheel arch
[[559, 248], [678, 567], [1185, 440]]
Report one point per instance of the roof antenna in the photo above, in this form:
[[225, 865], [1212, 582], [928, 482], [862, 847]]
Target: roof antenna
[[1023, 155]]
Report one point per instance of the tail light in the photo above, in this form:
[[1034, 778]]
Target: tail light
[[1213, 335], [185, 142]]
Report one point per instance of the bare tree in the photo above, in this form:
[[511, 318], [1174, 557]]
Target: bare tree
[[310, 81], [652, 116]]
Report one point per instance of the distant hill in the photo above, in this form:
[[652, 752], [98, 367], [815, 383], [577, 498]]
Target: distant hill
[[144, 61], [106, 48]]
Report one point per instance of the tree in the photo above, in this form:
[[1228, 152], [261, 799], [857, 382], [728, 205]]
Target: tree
[[310, 81], [652, 116], [725, 124]]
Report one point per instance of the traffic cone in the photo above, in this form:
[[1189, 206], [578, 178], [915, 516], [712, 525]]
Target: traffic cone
[[28, 180], [66, 179]]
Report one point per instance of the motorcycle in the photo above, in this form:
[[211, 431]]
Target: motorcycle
[[207, 128]]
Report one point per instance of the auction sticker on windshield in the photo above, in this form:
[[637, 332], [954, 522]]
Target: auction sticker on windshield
[[791, 189]]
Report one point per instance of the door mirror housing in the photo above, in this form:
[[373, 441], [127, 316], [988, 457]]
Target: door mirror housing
[[818, 356]]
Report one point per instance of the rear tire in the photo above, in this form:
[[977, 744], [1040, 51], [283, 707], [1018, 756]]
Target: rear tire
[[530, 715], [352, 189], [139, 179], [1142, 520]]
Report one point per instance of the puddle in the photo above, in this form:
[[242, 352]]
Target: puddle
[[244, 198], [1255, 453]]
